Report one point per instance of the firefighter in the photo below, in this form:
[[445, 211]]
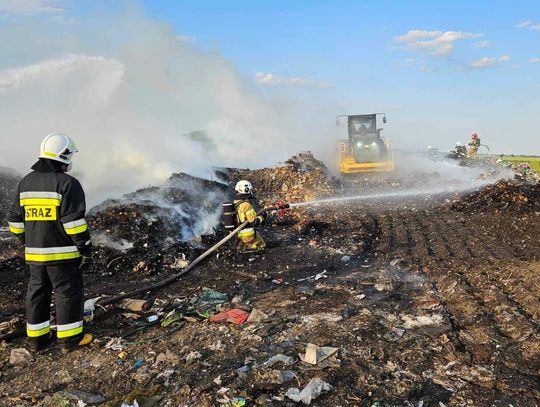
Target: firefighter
[[460, 150], [249, 240], [474, 145], [48, 218]]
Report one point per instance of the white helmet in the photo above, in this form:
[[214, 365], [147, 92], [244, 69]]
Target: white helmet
[[458, 144], [58, 147], [243, 187]]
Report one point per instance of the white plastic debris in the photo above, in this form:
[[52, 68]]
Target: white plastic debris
[[89, 308], [20, 357], [411, 322], [286, 360], [315, 354], [314, 389], [115, 344]]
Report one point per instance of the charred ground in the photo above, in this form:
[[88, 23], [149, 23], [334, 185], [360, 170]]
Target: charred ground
[[433, 299]]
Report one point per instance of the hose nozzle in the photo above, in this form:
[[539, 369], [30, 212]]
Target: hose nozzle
[[281, 207]]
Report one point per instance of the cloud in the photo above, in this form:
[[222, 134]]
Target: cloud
[[488, 62], [524, 24], [481, 44], [270, 79], [529, 25], [32, 7], [534, 60], [435, 42]]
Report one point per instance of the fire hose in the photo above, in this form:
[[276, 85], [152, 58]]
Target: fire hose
[[279, 206]]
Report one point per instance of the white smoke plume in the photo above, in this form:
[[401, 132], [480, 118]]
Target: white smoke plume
[[140, 101]]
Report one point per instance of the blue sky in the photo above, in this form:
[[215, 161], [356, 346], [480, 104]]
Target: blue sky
[[439, 69], [352, 46]]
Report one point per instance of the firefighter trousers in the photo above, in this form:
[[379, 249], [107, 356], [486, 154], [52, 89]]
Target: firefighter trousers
[[252, 243], [67, 284]]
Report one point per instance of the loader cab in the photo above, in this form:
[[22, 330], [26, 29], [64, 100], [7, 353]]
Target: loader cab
[[365, 139]]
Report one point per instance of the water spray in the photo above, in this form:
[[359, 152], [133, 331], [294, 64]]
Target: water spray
[[381, 195]]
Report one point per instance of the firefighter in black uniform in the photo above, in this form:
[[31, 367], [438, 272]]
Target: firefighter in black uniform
[[48, 217]]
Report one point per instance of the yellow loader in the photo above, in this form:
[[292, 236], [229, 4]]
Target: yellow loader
[[365, 150]]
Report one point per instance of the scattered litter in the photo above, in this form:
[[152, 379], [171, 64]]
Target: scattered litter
[[321, 275], [315, 354], [152, 318], [210, 298], [395, 262], [360, 296], [234, 402], [180, 263], [167, 357], [115, 344], [171, 318], [138, 363], [193, 355], [89, 308], [20, 357], [237, 299], [256, 316], [411, 321], [80, 397], [314, 389], [286, 360], [12, 325], [234, 316], [383, 286], [130, 315], [130, 304], [270, 377], [345, 259]]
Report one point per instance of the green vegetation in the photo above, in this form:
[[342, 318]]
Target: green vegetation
[[533, 161]]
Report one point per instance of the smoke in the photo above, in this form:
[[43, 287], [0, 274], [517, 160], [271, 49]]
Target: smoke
[[441, 171], [140, 102], [101, 239]]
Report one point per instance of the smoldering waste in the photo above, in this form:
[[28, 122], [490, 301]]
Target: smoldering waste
[[428, 301]]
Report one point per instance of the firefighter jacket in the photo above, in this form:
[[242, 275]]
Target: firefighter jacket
[[245, 211], [475, 142], [48, 216]]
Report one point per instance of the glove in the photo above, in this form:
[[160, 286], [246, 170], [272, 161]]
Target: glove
[[86, 253], [85, 249], [86, 263]]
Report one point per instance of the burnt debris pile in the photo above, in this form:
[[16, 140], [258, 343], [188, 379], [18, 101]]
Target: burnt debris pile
[[155, 227], [502, 196], [301, 178]]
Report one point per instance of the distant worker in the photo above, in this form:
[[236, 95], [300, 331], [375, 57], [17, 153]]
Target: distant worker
[[48, 218], [474, 145], [460, 150], [249, 239]]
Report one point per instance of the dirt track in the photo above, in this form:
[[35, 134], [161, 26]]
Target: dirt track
[[439, 302]]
